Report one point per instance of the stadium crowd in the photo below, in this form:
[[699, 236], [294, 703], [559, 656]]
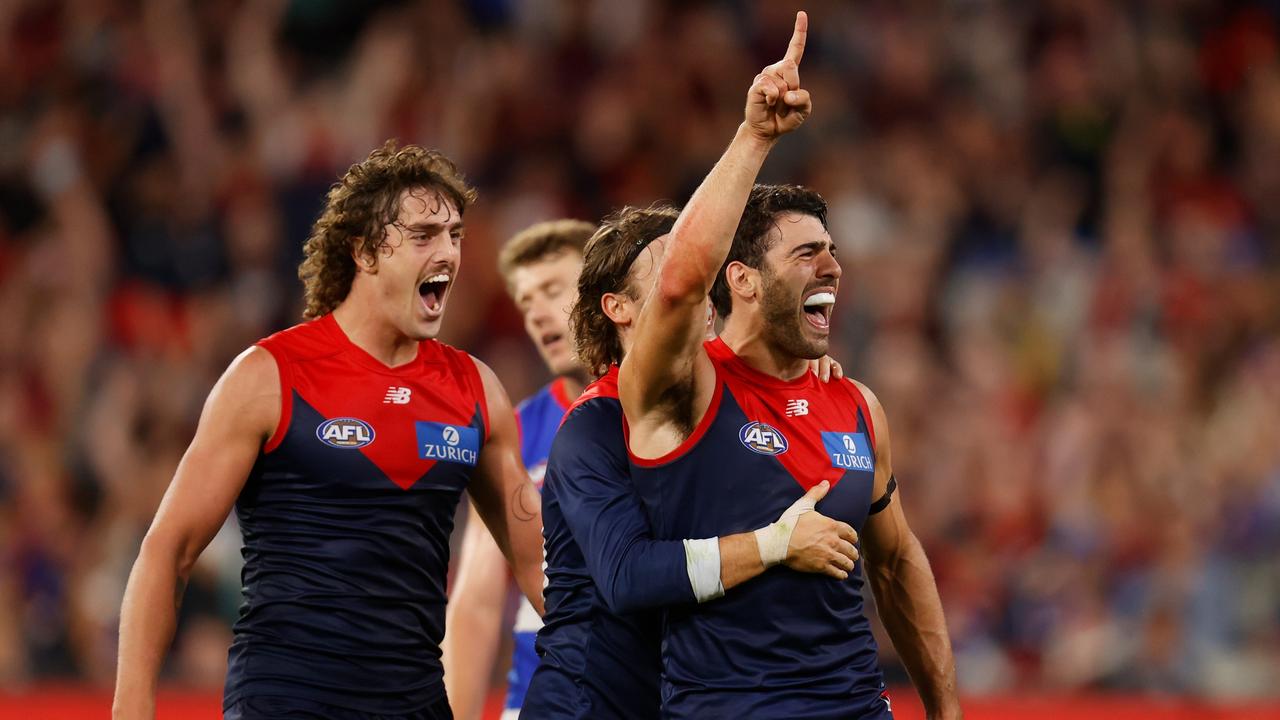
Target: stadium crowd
[[1059, 224]]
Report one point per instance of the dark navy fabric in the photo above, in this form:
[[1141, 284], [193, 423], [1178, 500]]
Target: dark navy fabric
[[600, 649], [539, 417], [346, 530], [786, 644], [263, 707]]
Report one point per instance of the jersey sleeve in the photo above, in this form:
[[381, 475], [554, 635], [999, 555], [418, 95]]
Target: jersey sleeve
[[589, 473]]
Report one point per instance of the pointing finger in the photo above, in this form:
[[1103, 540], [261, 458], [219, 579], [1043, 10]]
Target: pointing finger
[[795, 50]]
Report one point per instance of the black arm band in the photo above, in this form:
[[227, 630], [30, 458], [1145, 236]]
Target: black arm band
[[883, 502]]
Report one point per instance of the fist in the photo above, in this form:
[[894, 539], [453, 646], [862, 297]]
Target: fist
[[776, 104]]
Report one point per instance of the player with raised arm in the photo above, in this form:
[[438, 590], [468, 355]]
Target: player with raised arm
[[725, 434], [606, 575], [344, 444], [540, 265]]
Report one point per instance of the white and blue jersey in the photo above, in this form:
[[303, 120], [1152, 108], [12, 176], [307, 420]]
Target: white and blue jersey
[[539, 417]]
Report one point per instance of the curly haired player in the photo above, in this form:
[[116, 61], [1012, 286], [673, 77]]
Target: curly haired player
[[344, 445]]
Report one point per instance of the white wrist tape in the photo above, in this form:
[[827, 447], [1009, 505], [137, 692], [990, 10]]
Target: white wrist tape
[[702, 560], [774, 539]]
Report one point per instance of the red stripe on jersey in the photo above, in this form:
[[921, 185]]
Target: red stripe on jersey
[[690, 442], [286, 397], [559, 394]]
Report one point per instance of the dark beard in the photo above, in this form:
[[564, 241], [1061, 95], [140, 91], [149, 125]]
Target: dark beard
[[782, 321]]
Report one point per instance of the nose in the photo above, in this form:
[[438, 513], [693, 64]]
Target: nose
[[828, 266], [539, 313]]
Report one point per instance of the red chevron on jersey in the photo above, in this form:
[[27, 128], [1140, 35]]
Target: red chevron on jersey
[[404, 419], [797, 420]]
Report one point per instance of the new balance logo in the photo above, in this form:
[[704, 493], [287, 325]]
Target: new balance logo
[[797, 407], [396, 396]]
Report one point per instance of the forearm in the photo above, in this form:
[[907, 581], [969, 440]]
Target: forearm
[[148, 618], [703, 234], [739, 559], [470, 649], [473, 620], [909, 606], [525, 553]]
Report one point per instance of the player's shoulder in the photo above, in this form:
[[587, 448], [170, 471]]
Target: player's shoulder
[[253, 375], [867, 400], [604, 388], [304, 341]]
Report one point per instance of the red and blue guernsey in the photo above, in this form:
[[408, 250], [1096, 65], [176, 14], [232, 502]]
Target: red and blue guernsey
[[346, 519], [539, 416], [786, 644], [606, 575]]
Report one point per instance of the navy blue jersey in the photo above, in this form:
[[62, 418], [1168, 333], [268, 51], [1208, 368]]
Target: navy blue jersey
[[787, 644], [600, 654], [539, 416], [346, 518]]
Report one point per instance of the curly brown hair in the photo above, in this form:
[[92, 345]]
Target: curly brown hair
[[606, 268], [755, 236], [358, 210]]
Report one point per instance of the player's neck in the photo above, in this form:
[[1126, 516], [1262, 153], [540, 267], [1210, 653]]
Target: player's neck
[[369, 331], [574, 383], [747, 340]]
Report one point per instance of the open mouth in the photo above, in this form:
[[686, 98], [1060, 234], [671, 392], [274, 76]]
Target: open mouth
[[817, 309], [549, 339], [432, 292]]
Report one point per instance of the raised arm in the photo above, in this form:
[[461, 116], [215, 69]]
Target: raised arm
[[504, 496], [240, 414], [906, 594], [666, 350]]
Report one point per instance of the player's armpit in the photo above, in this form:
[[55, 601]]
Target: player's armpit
[[504, 496], [240, 414]]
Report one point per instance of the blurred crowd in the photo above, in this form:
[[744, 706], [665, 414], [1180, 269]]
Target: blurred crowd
[[1059, 223]]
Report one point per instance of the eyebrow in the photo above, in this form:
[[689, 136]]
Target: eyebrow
[[816, 246], [427, 227]]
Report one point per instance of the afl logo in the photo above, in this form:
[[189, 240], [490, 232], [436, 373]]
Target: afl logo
[[345, 433], [762, 439]]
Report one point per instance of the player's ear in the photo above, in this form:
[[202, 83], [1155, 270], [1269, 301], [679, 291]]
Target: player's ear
[[742, 280], [613, 305], [366, 261]]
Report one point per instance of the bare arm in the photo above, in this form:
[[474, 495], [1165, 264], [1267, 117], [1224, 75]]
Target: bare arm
[[241, 412], [473, 620], [906, 594], [505, 497], [667, 347]]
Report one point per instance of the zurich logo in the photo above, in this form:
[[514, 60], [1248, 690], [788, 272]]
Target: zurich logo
[[346, 433], [450, 435], [763, 439]]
